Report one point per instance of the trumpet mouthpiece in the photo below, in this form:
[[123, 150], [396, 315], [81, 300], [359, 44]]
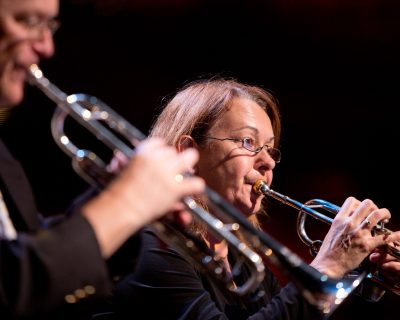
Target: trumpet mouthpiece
[[260, 186]]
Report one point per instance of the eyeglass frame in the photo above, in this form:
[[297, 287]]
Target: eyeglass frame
[[34, 24], [257, 150]]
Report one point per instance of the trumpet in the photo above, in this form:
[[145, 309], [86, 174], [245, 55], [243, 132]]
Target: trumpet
[[375, 283], [109, 127]]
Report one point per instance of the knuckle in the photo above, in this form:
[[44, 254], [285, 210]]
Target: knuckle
[[368, 203]]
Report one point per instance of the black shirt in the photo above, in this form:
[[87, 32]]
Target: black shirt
[[164, 285]]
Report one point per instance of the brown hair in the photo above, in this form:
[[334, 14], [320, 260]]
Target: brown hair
[[197, 106]]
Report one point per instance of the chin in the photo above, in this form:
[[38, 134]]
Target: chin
[[14, 96], [248, 209]]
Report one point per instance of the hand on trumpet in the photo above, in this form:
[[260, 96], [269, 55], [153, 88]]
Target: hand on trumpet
[[388, 265], [350, 238], [178, 211], [147, 186]]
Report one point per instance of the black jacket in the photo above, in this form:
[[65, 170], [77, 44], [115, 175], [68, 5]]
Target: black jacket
[[44, 266]]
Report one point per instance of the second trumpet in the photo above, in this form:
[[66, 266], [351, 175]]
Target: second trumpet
[[310, 208]]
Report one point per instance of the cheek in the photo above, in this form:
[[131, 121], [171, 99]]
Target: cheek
[[239, 179], [223, 178], [236, 170], [225, 172], [243, 169]]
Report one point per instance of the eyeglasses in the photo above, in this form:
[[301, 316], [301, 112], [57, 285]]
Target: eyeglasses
[[36, 25], [249, 144]]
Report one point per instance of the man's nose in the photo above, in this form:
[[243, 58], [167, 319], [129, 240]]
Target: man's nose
[[44, 44]]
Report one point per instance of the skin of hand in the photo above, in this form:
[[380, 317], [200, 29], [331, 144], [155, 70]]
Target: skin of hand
[[349, 240], [388, 265], [145, 190], [179, 212], [118, 162]]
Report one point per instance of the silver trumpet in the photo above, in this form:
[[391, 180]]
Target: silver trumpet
[[251, 248], [375, 284]]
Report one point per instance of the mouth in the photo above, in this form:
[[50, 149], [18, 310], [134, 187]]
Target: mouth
[[19, 72], [23, 67], [19, 75], [253, 183]]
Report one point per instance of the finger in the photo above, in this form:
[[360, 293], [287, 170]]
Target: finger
[[192, 186], [181, 216], [380, 257], [179, 206], [375, 217], [164, 153], [113, 166], [117, 163], [187, 159], [380, 242], [376, 257], [348, 207], [392, 266], [121, 158], [394, 238], [184, 218], [365, 208], [150, 143]]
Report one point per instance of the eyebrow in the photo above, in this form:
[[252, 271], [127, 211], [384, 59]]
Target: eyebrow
[[255, 130], [37, 12]]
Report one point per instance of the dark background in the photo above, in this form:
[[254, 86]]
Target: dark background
[[333, 66]]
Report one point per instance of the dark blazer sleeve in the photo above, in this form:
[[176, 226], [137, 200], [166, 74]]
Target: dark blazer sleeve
[[44, 267], [40, 271]]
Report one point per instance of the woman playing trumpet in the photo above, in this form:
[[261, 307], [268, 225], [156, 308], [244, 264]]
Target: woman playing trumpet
[[236, 128]]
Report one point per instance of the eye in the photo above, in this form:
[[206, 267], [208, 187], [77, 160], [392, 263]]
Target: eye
[[28, 21], [249, 143], [34, 22]]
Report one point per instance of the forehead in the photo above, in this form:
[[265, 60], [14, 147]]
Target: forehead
[[41, 7], [244, 114]]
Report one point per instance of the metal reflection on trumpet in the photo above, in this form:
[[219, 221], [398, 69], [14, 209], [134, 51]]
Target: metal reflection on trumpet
[[375, 283], [325, 293]]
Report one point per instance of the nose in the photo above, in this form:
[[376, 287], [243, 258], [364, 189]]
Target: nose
[[264, 162], [44, 45]]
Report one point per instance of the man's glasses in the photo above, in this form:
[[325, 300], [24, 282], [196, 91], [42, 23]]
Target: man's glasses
[[249, 144], [36, 25]]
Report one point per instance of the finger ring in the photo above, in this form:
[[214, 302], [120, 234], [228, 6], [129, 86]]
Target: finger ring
[[179, 178], [367, 222]]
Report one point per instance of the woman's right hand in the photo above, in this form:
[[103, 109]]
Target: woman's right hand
[[350, 240]]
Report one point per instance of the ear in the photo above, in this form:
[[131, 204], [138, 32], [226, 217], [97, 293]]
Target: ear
[[186, 142]]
